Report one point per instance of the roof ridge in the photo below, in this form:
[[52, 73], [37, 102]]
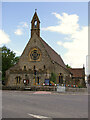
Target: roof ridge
[[50, 47], [59, 57]]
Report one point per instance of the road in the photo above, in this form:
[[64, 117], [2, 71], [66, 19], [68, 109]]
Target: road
[[24, 104]]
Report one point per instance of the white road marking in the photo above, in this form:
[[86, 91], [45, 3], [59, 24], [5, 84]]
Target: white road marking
[[37, 116]]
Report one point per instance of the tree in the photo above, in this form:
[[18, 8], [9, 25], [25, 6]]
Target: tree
[[8, 60], [53, 77], [68, 66]]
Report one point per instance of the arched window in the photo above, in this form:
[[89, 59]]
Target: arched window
[[35, 23], [24, 67], [25, 76], [60, 78], [18, 79], [34, 67], [38, 80], [44, 67]]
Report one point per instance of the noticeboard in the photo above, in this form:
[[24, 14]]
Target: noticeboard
[[46, 81]]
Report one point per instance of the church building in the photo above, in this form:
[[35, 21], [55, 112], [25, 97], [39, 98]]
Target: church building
[[37, 62]]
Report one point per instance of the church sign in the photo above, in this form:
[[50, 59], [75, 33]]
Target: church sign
[[60, 88]]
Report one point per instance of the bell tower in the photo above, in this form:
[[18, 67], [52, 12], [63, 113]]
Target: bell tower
[[35, 25]]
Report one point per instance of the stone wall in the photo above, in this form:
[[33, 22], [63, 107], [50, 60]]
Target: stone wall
[[45, 59], [44, 67], [68, 89], [43, 73]]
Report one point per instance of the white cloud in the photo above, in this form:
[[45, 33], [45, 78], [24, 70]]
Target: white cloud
[[18, 53], [4, 38], [60, 43], [24, 24], [67, 24], [21, 27], [18, 32], [77, 47]]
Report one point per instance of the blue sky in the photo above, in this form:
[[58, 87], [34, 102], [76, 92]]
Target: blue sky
[[15, 15]]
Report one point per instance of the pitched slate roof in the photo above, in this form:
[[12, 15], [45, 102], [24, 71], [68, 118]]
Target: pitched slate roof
[[53, 55], [77, 72]]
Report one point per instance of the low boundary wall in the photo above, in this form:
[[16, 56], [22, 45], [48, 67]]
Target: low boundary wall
[[76, 89], [44, 88]]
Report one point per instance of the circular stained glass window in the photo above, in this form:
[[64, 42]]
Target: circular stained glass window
[[35, 54]]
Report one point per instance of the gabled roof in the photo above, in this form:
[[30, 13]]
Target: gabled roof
[[53, 55], [77, 72]]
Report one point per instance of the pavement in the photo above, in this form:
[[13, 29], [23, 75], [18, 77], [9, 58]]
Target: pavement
[[42, 105], [48, 92]]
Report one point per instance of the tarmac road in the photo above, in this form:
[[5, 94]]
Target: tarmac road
[[24, 104]]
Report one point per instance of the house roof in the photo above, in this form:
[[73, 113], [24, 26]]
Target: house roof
[[53, 55], [77, 72]]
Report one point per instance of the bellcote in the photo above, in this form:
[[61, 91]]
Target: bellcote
[[35, 25]]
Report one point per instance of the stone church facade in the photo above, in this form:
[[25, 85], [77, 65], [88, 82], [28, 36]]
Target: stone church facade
[[37, 62]]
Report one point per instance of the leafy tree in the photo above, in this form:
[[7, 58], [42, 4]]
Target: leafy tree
[[8, 60], [68, 66], [53, 77]]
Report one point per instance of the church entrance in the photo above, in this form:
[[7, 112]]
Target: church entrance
[[38, 80]]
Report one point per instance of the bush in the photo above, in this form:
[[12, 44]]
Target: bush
[[53, 77]]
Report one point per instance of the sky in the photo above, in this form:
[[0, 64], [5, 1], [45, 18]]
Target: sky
[[63, 25]]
